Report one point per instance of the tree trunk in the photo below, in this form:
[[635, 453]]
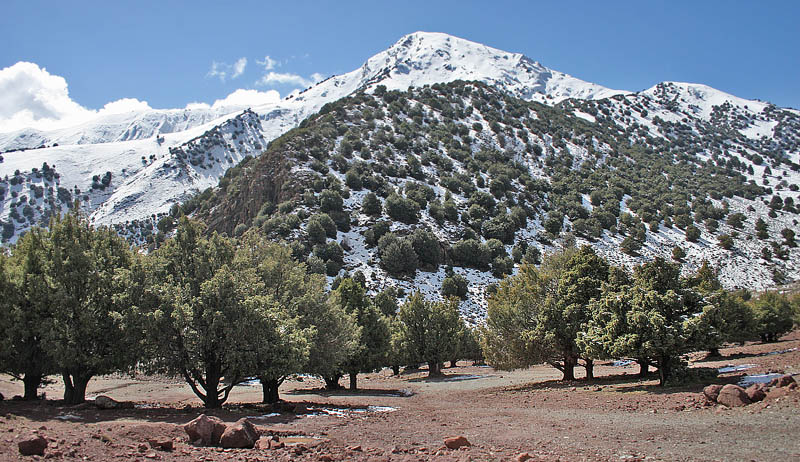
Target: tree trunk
[[211, 400], [589, 366], [453, 363], [332, 382], [644, 365], [396, 370], [75, 387], [354, 381], [663, 370], [569, 368], [434, 369], [32, 383], [269, 390], [714, 353]]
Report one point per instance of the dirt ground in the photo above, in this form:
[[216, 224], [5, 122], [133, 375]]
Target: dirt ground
[[406, 418]]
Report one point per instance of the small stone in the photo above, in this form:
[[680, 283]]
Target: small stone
[[524, 456], [164, 444], [355, 448], [142, 447], [33, 446], [456, 442]]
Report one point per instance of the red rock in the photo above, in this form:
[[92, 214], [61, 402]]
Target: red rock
[[776, 392], [242, 434], [733, 396], [326, 458], [207, 430], [456, 442], [782, 381], [755, 393], [711, 392], [163, 444], [33, 446], [355, 448], [523, 457]]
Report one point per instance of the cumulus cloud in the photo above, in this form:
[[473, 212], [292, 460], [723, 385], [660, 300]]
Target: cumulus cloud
[[268, 63], [279, 78], [223, 70], [31, 97]]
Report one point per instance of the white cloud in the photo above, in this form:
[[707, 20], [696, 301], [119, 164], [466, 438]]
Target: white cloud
[[242, 98], [31, 97], [218, 70], [279, 78], [238, 67], [222, 70], [268, 63]]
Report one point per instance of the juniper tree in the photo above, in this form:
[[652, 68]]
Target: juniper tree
[[429, 330]]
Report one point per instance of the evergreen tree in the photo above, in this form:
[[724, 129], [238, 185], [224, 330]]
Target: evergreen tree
[[429, 330]]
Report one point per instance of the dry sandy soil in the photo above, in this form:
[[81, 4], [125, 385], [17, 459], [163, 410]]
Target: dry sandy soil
[[614, 417]]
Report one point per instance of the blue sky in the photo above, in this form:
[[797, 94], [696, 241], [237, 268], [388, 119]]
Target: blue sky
[[163, 52]]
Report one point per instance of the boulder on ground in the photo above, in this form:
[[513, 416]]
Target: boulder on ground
[[164, 444], [105, 402], [242, 434], [524, 457], [711, 392], [205, 430], [755, 393], [456, 442], [33, 446], [733, 396], [782, 381]]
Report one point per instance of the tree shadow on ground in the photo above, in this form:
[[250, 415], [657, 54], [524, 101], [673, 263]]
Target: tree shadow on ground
[[381, 392], [450, 378], [50, 410]]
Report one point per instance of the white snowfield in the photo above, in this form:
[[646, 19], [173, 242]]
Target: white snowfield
[[140, 149]]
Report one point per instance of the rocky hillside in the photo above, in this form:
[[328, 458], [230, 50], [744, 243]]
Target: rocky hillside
[[119, 141], [457, 184]]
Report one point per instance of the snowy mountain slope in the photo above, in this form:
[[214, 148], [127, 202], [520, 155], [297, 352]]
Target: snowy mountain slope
[[415, 60], [466, 144], [148, 176], [111, 128]]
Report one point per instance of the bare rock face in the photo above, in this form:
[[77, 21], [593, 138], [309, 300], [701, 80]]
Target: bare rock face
[[33, 446], [782, 381], [756, 393], [456, 442], [733, 396], [242, 434], [711, 392], [207, 430], [104, 402]]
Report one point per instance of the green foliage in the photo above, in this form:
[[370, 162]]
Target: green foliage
[[397, 255], [374, 335], [537, 315], [692, 233], [402, 209], [644, 320], [455, 285], [371, 205], [90, 332], [773, 315], [426, 246], [471, 253], [429, 330]]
